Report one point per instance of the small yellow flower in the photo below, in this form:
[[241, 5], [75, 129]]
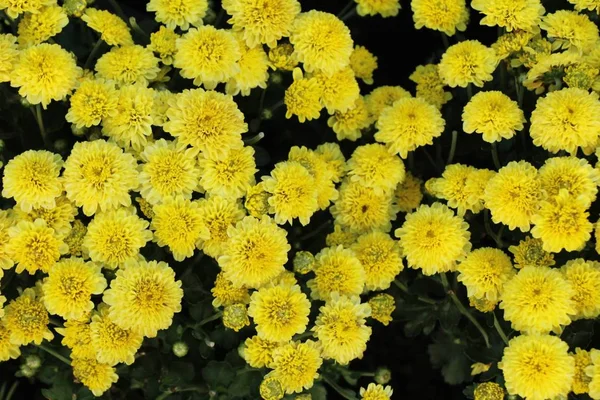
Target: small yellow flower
[[363, 63], [164, 42], [302, 97], [581, 381], [376, 392], [229, 176], [126, 65], [494, 115], [9, 54], [380, 256], [467, 62], [113, 344], [27, 320], [91, 103], [530, 252], [37, 28], [225, 294], [446, 16], [337, 270], [96, 376], [385, 8], [382, 307], [258, 352], [179, 13], [112, 29], [235, 317], [296, 365]]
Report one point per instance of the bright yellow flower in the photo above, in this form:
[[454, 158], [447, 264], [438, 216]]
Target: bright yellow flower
[[256, 202], [484, 273], [570, 29], [39, 27], [34, 246], [408, 194], [382, 307], [457, 188], [530, 252], [113, 344], [335, 162], [253, 70], [281, 57], [258, 352], [446, 16], [349, 124], [380, 257], [511, 14], [339, 90], [127, 65], [580, 5], [179, 13], [77, 336], [94, 375], [27, 319], [341, 236], [13, 8], [218, 214], [430, 85], [164, 42], [382, 97], [229, 176], [581, 382], [363, 63], [91, 103], [303, 97], [235, 317], [467, 62], [494, 115], [8, 350], [317, 166], [376, 392], [373, 166], [295, 365], [584, 276], [573, 174], [112, 29], [9, 55], [225, 294], [337, 270], [385, 8], [593, 371]]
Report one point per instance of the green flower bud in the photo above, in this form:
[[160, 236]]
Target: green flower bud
[[180, 349]]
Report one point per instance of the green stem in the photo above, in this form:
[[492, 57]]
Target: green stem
[[520, 91], [55, 354], [341, 391], [40, 122], [55, 322], [469, 91], [445, 40], [254, 139], [219, 18], [495, 156], [499, 329], [316, 231], [411, 162], [12, 389], [452, 147], [346, 8], [166, 394], [464, 311], [489, 230], [209, 319], [2, 390], [349, 14], [303, 336], [118, 9], [93, 54], [404, 288]]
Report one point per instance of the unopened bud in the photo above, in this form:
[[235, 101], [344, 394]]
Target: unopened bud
[[383, 375], [33, 361], [180, 349]]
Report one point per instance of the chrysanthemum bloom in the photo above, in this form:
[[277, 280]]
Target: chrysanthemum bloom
[[127, 65], [303, 97], [382, 306], [179, 13], [484, 273], [584, 276], [513, 195], [144, 297], [115, 237], [582, 76], [593, 372], [225, 294], [317, 166], [363, 63], [408, 194], [382, 97], [253, 70], [321, 42], [94, 375], [6, 221], [349, 124], [91, 102], [295, 365], [99, 175], [360, 208], [522, 15], [530, 253], [217, 215], [112, 29], [537, 367], [434, 239], [270, 388], [32, 179], [339, 90], [335, 162], [207, 120], [162, 99], [130, 122], [341, 236], [77, 336], [544, 63], [164, 43], [9, 54], [235, 317], [570, 29], [262, 21], [566, 119], [467, 62], [258, 352], [229, 176], [562, 223], [39, 27], [573, 174], [256, 202], [177, 223], [75, 239], [69, 287], [304, 262], [430, 85], [279, 312], [34, 246], [292, 193], [255, 252], [45, 72], [456, 187], [538, 299], [385, 8], [14, 8], [408, 124], [511, 44], [446, 16], [208, 56], [8, 350], [113, 344], [337, 270], [580, 5], [376, 392], [581, 381], [27, 319], [58, 218], [341, 328], [281, 57], [169, 169], [380, 257], [494, 115]]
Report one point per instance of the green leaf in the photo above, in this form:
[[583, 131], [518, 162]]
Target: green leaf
[[178, 372], [246, 384], [318, 392], [448, 354], [62, 388], [218, 373]]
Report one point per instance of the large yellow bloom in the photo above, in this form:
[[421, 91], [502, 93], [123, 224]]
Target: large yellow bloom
[[126, 65], [39, 27], [484, 272], [112, 29], [96, 376], [570, 29], [584, 276], [77, 336], [258, 352], [373, 166], [217, 215], [494, 115], [229, 176], [446, 16], [91, 103], [434, 239], [349, 124], [385, 8], [295, 365], [382, 97], [522, 15], [573, 174], [9, 54], [303, 97], [112, 343], [179, 13], [339, 90], [337, 270], [27, 319], [253, 70], [467, 62], [380, 257], [34, 246], [363, 63], [537, 367], [144, 297]]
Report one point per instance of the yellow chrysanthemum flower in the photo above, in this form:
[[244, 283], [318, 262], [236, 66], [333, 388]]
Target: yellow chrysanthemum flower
[[537, 367], [446, 16], [456, 186], [8, 350], [341, 236], [569, 29], [373, 166], [380, 257], [256, 202], [91, 103], [179, 13], [258, 352], [6, 221], [77, 336], [292, 193], [162, 100], [593, 372], [581, 382], [253, 70], [229, 176], [512, 44], [467, 62], [218, 214], [566, 119], [538, 300], [255, 252], [349, 124], [206, 120], [580, 5], [113, 344], [32, 179], [376, 392], [177, 223], [530, 253], [408, 124], [385, 8], [270, 388], [363, 63], [99, 175], [494, 115], [513, 195], [382, 97], [341, 328], [295, 365], [430, 85], [303, 97], [126, 65], [225, 294], [337, 270], [382, 307], [573, 174], [45, 72], [279, 312], [323, 175], [583, 76], [144, 297], [235, 317], [9, 55], [281, 57], [335, 161], [339, 90], [37, 28], [69, 287], [34, 246], [584, 276], [513, 15], [408, 194], [164, 42], [27, 319], [484, 273], [208, 56], [96, 376], [13, 8], [112, 29], [434, 239], [321, 42]]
